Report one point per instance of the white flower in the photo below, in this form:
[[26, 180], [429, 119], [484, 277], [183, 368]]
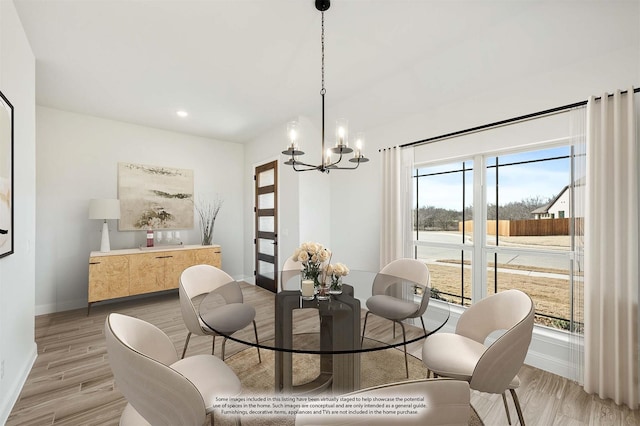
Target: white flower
[[324, 255], [296, 254], [303, 256]]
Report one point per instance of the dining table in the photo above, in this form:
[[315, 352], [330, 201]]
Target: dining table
[[289, 324]]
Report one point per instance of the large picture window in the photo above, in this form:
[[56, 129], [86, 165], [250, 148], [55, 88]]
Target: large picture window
[[518, 218]]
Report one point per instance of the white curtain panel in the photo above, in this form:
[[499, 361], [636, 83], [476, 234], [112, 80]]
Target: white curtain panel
[[395, 235], [611, 250]]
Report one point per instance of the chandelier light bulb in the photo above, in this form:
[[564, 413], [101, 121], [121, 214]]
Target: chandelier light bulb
[[342, 132]]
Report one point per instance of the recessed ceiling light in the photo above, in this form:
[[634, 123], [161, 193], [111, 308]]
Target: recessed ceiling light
[[182, 113]]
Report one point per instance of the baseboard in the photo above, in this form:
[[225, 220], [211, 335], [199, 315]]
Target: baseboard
[[60, 307], [12, 394]]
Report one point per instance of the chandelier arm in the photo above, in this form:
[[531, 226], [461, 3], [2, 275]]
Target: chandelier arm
[[335, 162], [346, 168], [308, 167], [300, 163]]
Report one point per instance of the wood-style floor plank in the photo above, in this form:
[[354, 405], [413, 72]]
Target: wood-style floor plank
[[71, 382]]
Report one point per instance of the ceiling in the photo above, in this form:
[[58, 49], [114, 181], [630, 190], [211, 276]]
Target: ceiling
[[241, 67]]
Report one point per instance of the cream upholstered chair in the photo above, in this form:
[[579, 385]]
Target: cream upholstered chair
[[291, 268], [447, 403], [161, 389], [234, 315], [464, 354], [385, 305]]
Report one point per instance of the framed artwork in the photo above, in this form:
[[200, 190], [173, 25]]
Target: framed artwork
[[154, 197], [6, 176]]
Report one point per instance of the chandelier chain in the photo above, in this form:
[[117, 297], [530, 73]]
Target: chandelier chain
[[322, 91]]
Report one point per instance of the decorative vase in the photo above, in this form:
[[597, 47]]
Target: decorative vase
[[323, 292], [336, 286]]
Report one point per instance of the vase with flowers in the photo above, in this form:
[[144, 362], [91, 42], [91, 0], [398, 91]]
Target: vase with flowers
[[335, 273], [313, 257]]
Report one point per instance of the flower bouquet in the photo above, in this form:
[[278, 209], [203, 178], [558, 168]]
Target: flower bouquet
[[313, 256], [336, 272]]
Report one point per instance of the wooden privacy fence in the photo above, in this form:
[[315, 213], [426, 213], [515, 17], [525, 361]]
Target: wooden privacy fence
[[511, 228]]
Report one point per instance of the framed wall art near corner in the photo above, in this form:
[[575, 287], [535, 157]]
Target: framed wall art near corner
[[6, 176], [154, 197]]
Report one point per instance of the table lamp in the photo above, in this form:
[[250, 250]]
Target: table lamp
[[104, 209]]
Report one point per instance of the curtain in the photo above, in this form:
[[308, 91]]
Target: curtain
[[395, 232], [611, 250]]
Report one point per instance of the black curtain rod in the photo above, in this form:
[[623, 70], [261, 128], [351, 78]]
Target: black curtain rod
[[510, 120]]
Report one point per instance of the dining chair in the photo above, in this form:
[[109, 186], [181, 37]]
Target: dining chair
[[161, 389], [290, 269], [387, 305], [447, 403], [488, 367], [232, 316]]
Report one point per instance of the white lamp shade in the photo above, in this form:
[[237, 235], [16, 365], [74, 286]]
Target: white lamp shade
[[104, 208]]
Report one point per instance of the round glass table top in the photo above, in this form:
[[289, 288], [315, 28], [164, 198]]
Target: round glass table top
[[287, 322]]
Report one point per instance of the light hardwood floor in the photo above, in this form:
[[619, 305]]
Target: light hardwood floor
[[71, 382]]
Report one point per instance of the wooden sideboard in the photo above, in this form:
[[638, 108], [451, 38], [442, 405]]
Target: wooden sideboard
[[121, 273]]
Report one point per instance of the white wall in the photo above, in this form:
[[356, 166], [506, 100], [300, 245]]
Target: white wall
[[17, 342], [77, 157]]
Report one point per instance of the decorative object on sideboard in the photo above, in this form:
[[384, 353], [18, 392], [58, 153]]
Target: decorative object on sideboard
[[342, 132], [6, 176], [208, 211], [104, 209], [155, 197]]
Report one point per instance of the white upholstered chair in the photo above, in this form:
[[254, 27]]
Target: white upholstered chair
[[447, 403], [160, 388], [465, 354], [233, 316], [384, 304], [290, 269]]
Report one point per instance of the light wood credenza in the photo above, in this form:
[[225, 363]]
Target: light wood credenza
[[121, 273]]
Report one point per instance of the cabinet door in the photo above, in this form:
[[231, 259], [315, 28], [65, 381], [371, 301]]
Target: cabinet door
[[209, 256], [147, 272], [176, 262], [108, 277]]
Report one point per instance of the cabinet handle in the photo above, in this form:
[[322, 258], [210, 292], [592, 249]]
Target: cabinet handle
[[94, 263], [163, 257]]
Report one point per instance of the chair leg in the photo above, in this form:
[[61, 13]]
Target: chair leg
[[224, 342], [404, 339], [518, 409], [213, 346], [364, 327], [394, 329], [255, 330], [423, 327], [506, 407], [184, 351]]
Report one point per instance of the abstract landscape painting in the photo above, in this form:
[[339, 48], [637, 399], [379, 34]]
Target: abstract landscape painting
[[154, 197]]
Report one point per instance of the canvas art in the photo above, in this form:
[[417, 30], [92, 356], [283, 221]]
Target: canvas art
[[6, 176], [154, 197]]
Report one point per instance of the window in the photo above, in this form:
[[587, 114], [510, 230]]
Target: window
[[443, 225], [524, 234]]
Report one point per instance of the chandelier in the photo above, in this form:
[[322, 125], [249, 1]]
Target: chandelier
[[342, 132]]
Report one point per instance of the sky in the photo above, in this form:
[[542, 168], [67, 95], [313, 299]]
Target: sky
[[516, 182]]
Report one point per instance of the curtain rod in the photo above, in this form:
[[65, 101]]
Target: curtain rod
[[507, 121]]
